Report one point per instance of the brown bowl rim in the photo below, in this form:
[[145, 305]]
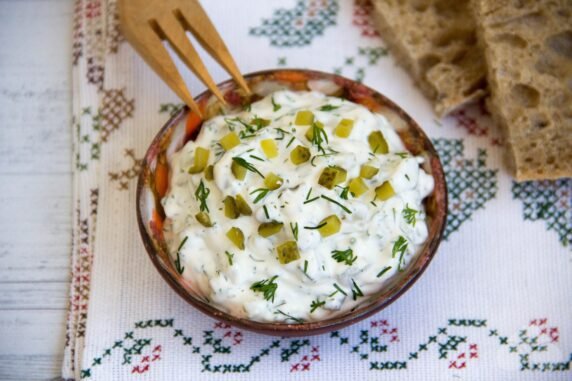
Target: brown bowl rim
[[322, 326]]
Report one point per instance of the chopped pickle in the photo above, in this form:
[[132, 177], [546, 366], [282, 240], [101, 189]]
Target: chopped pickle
[[287, 252], [300, 155], [242, 205], [269, 148], [273, 181], [266, 229], [204, 219], [377, 142], [332, 176], [201, 160], [259, 122], [209, 173], [358, 187], [229, 141], [236, 236], [238, 171], [367, 171], [230, 208], [332, 225], [384, 191], [310, 133], [304, 118], [344, 128]]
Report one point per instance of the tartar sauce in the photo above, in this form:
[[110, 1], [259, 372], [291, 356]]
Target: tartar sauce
[[294, 209]]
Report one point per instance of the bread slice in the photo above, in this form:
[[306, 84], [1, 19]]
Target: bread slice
[[435, 41], [528, 50]]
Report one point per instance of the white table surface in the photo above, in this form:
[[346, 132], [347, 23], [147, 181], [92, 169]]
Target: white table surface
[[35, 174]]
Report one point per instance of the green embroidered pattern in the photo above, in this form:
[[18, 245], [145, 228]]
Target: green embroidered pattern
[[139, 350], [170, 108], [355, 66], [470, 183], [550, 201], [300, 25], [455, 348], [88, 144]]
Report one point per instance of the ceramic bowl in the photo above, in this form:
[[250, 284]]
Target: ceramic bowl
[[184, 126]]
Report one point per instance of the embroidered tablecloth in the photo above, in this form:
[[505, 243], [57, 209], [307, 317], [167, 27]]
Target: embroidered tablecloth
[[495, 304]]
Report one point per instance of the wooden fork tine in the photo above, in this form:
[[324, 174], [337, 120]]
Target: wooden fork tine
[[145, 40], [194, 18], [175, 34], [149, 46]]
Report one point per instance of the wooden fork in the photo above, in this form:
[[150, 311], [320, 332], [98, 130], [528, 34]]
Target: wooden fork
[[146, 23]]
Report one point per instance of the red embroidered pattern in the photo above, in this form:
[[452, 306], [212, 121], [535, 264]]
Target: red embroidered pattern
[[362, 18]]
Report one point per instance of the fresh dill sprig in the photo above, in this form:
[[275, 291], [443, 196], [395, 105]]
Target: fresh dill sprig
[[245, 164], [266, 211], [282, 133], [400, 246], [201, 194], [338, 289], [347, 256], [316, 304], [383, 271], [178, 266], [290, 142], [344, 193], [316, 227], [306, 266], [319, 136], [229, 255], [409, 215], [294, 228], [402, 155], [275, 106], [295, 319], [267, 287], [256, 157], [356, 292], [328, 108], [262, 192], [337, 203], [308, 199], [331, 153]]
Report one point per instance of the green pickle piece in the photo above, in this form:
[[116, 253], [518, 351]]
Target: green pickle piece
[[260, 122], [287, 252], [204, 219], [229, 141], [230, 208], [357, 187], [344, 128], [209, 173], [300, 155], [201, 160], [367, 171], [384, 191], [272, 181], [332, 225], [267, 229], [242, 205], [332, 176], [236, 236], [304, 118], [269, 148], [377, 142], [238, 171]]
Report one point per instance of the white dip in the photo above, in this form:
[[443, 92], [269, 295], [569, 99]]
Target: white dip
[[333, 273]]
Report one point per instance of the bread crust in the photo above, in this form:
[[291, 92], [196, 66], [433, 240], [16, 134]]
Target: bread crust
[[528, 51], [435, 41]]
